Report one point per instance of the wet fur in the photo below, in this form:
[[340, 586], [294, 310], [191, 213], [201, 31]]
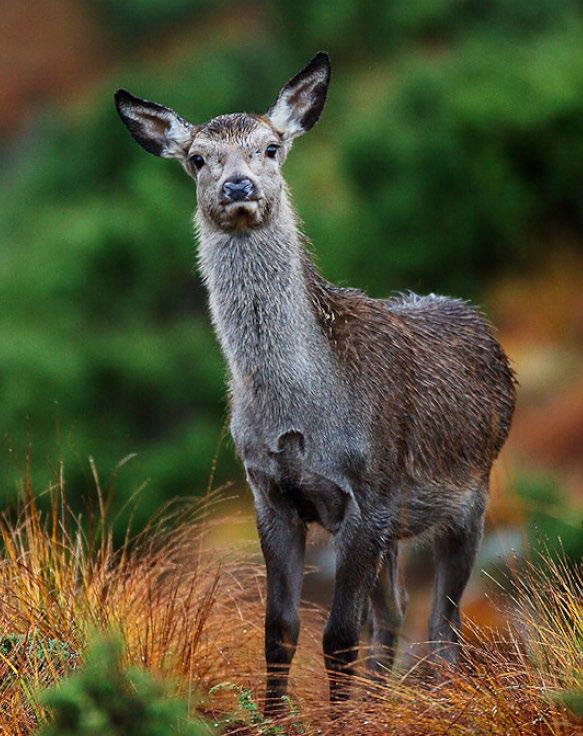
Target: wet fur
[[403, 404], [378, 419]]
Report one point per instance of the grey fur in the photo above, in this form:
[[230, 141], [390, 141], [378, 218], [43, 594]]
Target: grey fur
[[377, 419]]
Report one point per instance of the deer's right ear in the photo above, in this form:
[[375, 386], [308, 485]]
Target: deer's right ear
[[300, 102], [158, 129]]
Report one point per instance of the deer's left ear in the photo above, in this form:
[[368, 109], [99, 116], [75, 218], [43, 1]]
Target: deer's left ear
[[159, 130], [300, 102]]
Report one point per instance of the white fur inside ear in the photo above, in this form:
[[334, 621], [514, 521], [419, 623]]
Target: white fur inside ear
[[165, 127], [293, 103], [283, 120], [178, 136]]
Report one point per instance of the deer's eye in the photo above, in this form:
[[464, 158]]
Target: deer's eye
[[197, 161], [271, 150]]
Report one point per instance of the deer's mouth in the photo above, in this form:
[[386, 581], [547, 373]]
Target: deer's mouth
[[249, 205], [243, 214]]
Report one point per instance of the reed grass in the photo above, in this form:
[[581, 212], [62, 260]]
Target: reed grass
[[191, 611]]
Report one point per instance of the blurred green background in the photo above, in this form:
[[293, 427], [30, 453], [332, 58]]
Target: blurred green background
[[449, 159]]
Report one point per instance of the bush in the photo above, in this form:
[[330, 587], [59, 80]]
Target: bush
[[132, 19], [368, 29], [465, 161], [104, 699], [554, 525]]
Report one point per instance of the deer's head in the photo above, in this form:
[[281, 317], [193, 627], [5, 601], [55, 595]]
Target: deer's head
[[234, 159]]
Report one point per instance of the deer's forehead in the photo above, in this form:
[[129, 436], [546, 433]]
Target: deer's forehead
[[239, 129]]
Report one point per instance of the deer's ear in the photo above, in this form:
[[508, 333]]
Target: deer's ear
[[158, 129], [300, 102]]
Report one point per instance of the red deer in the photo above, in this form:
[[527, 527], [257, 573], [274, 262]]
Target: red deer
[[378, 419]]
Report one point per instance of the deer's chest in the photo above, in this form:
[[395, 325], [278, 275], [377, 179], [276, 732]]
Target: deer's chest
[[301, 458]]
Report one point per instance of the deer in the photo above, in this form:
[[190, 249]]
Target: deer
[[376, 419]]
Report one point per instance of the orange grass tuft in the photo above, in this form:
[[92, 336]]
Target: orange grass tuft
[[193, 612]]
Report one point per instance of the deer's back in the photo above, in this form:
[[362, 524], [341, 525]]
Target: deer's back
[[435, 387]]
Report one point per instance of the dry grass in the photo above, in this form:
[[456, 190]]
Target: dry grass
[[194, 613]]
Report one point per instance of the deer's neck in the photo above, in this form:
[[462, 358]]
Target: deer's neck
[[261, 307]]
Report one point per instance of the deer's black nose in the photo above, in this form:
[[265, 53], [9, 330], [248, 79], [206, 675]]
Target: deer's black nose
[[238, 188]]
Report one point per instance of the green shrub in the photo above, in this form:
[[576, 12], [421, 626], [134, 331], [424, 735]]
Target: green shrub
[[37, 648], [105, 699], [368, 29], [554, 525], [466, 160], [248, 713], [132, 19]]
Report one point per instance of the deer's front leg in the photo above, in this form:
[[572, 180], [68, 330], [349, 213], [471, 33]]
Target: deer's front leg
[[358, 556], [283, 541]]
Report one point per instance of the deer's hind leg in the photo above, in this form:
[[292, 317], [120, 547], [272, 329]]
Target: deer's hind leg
[[454, 551], [388, 603], [359, 552]]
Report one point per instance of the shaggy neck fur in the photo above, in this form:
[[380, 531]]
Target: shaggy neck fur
[[261, 307]]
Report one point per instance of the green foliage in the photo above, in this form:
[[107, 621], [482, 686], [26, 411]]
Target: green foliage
[[37, 648], [453, 135], [132, 18], [462, 160], [249, 713], [104, 699], [33, 658], [367, 28], [573, 699], [554, 525]]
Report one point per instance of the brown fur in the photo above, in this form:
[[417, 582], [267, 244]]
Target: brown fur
[[378, 419], [433, 360]]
